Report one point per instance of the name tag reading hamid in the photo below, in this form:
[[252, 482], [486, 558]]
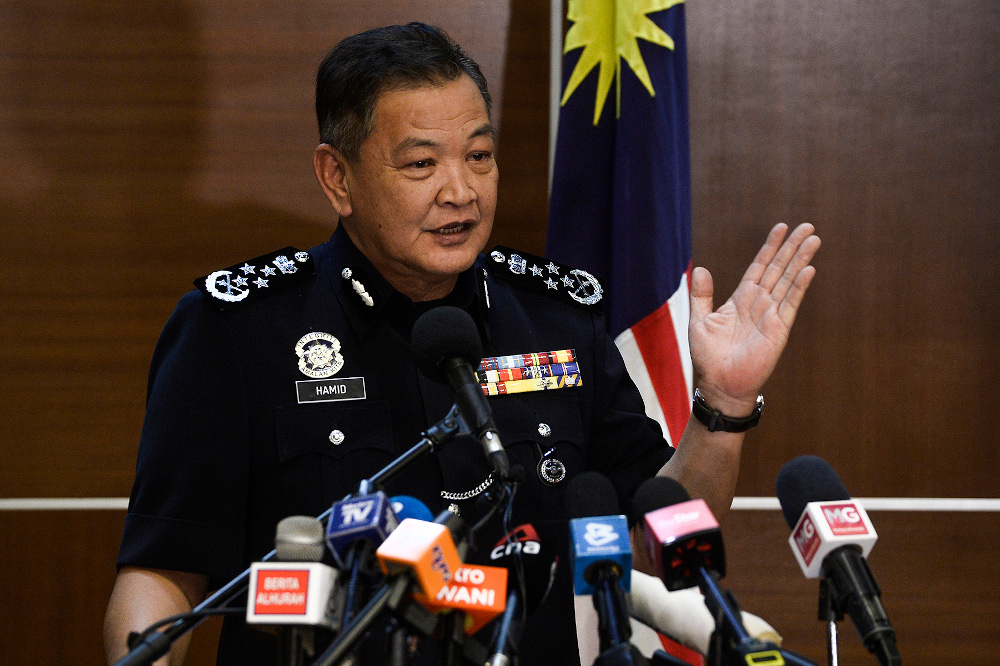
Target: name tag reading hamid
[[329, 390]]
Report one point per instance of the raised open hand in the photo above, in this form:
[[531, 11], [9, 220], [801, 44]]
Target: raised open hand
[[735, 348]]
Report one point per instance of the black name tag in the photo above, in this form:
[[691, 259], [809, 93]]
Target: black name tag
[[328, 390]]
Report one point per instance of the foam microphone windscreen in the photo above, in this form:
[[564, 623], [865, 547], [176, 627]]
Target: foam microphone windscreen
[[445, 332], [299, 539], [656, 493], [803, 480], [590, 494]]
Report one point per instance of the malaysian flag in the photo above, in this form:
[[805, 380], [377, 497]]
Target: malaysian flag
[[620, 205]]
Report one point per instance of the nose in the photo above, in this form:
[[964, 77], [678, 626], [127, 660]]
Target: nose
[[456, 187]]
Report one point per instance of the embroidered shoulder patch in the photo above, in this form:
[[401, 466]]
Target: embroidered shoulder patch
[[257, 277], [566, 283]]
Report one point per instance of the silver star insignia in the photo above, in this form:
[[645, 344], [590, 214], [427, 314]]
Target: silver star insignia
[[241, 281], [260, 282], [536, 271], [247, 269], [268, 270], [551, 284], [553, 268], [567, 281]]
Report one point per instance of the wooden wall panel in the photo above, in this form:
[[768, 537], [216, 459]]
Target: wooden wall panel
[[145, 144], [878, 123]]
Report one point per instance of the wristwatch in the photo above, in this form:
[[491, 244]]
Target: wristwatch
[[716, 420]]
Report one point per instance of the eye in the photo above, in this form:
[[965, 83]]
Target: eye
[[421, 164], [479, 156]]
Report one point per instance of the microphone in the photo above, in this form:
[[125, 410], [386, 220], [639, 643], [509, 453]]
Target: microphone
[[427, 552], [685, 544], [682, 614], [295, 589], [447, 346], [476, 590], [523, 550], [418, 552], [831, 537], [405, 506], [357, 525], [601, 555]]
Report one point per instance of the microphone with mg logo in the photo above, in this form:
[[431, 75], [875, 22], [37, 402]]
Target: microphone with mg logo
[[831, 537]]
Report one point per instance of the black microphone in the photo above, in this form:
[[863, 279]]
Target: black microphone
[[831, 536], [447, 347], [529, 550]]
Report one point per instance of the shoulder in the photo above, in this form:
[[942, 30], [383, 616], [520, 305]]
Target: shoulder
[[256, 278], [527, 272]]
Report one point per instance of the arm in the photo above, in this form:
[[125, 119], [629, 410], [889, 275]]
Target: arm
[[734, 351], [143, 596]]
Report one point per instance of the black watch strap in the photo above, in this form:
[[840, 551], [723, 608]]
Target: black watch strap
[[716, 420]]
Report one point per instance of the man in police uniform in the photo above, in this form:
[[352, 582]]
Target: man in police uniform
[[283, 381]]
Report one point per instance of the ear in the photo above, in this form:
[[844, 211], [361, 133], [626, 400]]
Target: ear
[[331, 172]]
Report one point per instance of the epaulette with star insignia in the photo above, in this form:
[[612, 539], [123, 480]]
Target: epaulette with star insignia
[[566, 283], [257, 277]]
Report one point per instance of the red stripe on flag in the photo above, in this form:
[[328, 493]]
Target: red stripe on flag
[[657, 342], [671, 646]]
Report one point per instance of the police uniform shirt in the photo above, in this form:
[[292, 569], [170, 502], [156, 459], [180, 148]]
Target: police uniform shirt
[[229, 447]]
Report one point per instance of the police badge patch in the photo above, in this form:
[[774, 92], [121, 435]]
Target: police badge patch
[[319, 355]]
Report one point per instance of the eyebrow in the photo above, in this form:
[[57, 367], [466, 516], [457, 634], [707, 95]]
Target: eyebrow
[[486, 129]]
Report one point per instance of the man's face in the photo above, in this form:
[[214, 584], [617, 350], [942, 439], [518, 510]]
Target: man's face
[[423, 189]]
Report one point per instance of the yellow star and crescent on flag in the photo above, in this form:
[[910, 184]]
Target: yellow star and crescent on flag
[[608, 31]]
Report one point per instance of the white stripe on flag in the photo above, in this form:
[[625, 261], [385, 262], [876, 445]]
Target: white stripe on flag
[[679, 305], [637, 371], [680, 313]]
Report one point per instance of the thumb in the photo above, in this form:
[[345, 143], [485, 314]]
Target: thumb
[[701, 294]]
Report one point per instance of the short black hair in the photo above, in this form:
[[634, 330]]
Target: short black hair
[[361, 67]]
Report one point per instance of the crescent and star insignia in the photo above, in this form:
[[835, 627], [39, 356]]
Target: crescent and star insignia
[[231, 285], [319, 355], [572, 285]]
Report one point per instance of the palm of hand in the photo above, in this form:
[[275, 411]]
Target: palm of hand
[[735, 348]]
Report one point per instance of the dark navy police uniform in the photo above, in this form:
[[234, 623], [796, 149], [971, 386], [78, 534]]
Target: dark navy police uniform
[[246, 425]]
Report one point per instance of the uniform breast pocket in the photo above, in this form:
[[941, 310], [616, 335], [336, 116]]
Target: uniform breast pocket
[[543, 432], [326, 449]]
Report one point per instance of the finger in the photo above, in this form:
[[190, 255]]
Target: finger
[[702, 290], [803, 256], [789, 307], [776, 268], [760, 263]]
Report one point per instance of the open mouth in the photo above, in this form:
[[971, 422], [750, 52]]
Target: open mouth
[[454, 228]]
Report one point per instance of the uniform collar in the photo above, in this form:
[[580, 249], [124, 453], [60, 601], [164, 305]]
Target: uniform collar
[[367, 297]]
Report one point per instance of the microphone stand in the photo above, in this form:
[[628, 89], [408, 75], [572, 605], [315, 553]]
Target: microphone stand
[[831, 614], [158, 643], [731, 643]]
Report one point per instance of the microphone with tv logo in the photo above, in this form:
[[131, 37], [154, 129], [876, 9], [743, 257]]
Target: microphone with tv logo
[[831, 537], [356, 527], [601, 557], [292, 591]]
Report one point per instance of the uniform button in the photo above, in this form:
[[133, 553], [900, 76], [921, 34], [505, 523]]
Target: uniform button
[[336, 437], [544, 429]]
